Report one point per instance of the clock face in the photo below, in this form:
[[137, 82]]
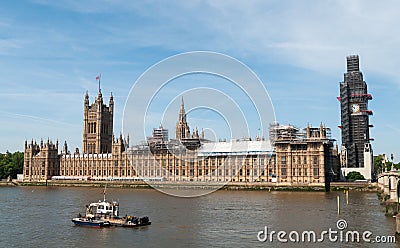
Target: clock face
[[355, 108]]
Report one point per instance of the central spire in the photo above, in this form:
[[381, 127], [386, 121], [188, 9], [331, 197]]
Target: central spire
[[182, 128], [182, 112]]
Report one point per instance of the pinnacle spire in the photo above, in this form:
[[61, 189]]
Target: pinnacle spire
[[182, 112], [182, 129]]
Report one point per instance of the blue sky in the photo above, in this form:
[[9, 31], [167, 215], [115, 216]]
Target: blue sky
[[51, 52]]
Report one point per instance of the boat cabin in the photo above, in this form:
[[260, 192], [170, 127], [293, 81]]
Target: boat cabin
[[103, 208]]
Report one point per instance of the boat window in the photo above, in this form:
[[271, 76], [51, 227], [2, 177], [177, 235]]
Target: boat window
[[100, 207]]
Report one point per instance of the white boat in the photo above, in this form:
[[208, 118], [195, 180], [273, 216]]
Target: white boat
[[108, 212], [90, 222]]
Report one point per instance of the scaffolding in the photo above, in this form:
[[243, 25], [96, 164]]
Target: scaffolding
[[283, 132], [354, 113]]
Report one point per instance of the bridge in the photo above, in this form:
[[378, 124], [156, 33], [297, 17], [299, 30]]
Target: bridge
[[389, 184]]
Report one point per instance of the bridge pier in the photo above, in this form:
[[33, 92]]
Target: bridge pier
[[386, 184], [380, 183], [393, 188]]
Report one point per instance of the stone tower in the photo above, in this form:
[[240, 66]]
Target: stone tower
[[182, 130], [354, 97], [97, 125], [41, 161]]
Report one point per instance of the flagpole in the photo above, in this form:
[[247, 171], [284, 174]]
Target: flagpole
[[99, 82]]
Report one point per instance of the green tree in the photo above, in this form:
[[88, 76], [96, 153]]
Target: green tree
[[354, 175], [11, 164], [378, 166]]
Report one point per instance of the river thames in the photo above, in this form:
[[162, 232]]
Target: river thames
[[41, 217]]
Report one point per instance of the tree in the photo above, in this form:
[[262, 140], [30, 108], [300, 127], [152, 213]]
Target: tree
[[354, 175], [11, 164], [378, 166]]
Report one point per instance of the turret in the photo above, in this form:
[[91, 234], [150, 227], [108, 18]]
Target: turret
[[111, 103], [65, 147], [308, 134], [99, 100], [321, 131], [86, 100]]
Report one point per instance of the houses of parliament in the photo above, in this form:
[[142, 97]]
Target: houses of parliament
[[291, 156]]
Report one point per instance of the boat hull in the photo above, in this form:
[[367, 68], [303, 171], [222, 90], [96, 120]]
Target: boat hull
[[90, 223], [133, 225], [129, 222]]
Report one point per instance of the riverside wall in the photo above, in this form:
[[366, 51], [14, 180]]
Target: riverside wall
[[334, 186]]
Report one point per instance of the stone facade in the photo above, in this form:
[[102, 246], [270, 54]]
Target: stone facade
[[305, 158], [295, 158], [41, 161]]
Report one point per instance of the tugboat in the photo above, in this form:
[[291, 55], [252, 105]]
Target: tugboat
[[107, 214]]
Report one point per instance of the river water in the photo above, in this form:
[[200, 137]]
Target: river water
[[41, 217]]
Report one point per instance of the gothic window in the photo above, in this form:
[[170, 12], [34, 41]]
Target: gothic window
[[316, 171]]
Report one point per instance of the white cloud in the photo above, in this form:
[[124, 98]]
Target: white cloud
[[116, 38]]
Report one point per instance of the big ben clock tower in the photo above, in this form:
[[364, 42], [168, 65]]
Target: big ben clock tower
[[356, 154]]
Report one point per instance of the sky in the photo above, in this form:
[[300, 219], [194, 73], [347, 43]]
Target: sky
[[52, 51]]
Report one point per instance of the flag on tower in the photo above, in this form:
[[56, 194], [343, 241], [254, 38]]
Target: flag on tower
[[98, 79]]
